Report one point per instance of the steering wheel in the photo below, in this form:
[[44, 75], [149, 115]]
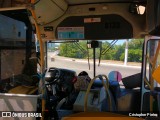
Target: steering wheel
[[52, 75]]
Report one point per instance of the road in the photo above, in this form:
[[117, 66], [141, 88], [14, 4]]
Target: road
[[82, 65]]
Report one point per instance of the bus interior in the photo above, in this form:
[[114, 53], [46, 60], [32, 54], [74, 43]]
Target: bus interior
[[52, 54]]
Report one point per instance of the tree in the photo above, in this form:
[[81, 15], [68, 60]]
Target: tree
[[108, 55], [72, 50], [116, 52], [119, 50], [135, 44], [135, 55]]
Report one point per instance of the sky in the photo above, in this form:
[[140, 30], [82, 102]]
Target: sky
[[119, 42]]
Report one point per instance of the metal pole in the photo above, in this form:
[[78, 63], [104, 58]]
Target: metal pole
[[46, 54], [126, 53], [94, 61]]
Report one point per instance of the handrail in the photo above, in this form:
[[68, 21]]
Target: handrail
[[41, 53], [106, 86], [146, 81]]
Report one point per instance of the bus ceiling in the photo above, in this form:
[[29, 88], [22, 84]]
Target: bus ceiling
[[80, 2], [85, 19], [98, 20]]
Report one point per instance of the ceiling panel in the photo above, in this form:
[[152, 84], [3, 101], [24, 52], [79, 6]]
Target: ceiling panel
[[73, 2]]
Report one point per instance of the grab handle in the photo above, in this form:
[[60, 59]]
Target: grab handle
[[106, 86]]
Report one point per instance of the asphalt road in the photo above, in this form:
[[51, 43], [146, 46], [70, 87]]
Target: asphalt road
[[82, 65]]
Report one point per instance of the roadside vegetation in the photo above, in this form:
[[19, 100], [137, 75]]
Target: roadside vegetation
[[117, 52]]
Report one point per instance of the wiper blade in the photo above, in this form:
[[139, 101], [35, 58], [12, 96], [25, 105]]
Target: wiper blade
[[82, 49], [109, 46], [84, 52], [88, 57], [106, 50]]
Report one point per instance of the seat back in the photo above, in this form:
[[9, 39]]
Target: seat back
[[81, 83]]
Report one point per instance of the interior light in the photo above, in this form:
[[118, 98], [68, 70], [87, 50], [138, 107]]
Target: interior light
[[141, 9], [136, 9], [104, 7]]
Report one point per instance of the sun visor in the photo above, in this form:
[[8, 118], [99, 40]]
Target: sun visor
[[49, 10]]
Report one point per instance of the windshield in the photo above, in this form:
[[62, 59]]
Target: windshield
[[78, 56]]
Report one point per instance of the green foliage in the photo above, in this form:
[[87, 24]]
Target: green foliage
[[122, 57], [117, 52], [72, 50], [135, 44], [135, 55]]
